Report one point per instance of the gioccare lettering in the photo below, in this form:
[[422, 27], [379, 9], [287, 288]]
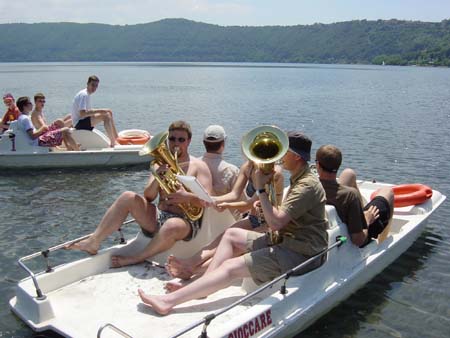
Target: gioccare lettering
[[253, 326]]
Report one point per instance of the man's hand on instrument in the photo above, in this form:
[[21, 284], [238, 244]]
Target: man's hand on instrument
[[261, 179], [179, 196]]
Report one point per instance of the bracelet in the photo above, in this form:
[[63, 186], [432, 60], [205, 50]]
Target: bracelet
[[260, 191]]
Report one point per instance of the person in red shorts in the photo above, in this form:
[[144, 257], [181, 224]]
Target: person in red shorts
[[58, 130], [12, 113]]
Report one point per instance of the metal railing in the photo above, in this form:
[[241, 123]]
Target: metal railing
[[46, 253], [114, 328]]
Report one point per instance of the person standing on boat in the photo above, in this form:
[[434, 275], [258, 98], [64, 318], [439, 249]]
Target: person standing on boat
[[300, 222], [166, 223], [85, 117], [57, 132], [12, 113], [363, 223]]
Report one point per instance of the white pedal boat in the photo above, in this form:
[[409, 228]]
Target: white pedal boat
[[17, 153], [86, 298]]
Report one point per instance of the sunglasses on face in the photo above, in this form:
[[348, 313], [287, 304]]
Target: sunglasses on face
[[42, 101], [179, 139]]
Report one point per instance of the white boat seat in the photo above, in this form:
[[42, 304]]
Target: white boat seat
[[94, 139], [21, 140], [214, 223]]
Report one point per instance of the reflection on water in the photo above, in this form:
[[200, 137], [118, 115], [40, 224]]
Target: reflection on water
[[390, 122]]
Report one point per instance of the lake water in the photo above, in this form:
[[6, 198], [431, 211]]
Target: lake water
[[392, 124]]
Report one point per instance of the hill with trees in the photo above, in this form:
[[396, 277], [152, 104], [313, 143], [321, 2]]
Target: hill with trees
[[369, 42]]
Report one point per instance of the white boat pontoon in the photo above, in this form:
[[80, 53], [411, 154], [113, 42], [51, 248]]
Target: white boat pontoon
[[17, 153], [86, 297]]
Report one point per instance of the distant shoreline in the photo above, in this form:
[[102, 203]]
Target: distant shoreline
[[393, 42]]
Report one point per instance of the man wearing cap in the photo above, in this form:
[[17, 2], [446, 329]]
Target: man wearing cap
[[363, 223], [86, 118], [300, 222], [224, 174], [12, 113]]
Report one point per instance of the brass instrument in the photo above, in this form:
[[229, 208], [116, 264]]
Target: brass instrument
[[160, 154], [264, 146]]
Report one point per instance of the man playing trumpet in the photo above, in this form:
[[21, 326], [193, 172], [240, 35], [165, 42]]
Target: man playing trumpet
[[167, 222]]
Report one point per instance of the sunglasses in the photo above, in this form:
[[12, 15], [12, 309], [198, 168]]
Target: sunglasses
[[42, 101], [179, 139]]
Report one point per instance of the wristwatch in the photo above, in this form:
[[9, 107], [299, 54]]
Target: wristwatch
[[260, 191]]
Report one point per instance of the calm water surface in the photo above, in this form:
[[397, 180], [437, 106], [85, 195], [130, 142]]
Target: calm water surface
[[391, 123]]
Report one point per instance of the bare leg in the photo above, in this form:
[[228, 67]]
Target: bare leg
[[69, 141], [173, 230], [197, 264], [348, 178], [127, 203], [209, 283]]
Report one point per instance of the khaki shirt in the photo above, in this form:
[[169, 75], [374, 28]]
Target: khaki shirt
[[305, 204]]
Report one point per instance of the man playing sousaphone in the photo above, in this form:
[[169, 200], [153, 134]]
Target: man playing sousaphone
[[167, 222]]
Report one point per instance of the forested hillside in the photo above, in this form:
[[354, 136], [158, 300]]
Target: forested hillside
[[393, 41]]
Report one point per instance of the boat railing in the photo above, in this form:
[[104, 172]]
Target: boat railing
[[46, 254], [113, 328], [210, 317]]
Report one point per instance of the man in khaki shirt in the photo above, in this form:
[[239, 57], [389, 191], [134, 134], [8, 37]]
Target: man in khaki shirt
[[300, 222]]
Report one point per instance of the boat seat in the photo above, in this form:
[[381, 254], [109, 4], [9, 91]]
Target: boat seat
[[21, 140], [214, 223], [94, 139]]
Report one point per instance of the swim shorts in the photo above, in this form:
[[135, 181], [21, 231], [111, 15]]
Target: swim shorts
[[382, 221], [84, 124], [163, 216]]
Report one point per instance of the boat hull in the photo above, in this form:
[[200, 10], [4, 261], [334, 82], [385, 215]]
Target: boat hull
[[110, 294]]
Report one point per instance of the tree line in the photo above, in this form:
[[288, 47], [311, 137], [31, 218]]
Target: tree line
[[392, 42]]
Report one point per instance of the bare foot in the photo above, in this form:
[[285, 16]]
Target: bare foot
[[155, 302], [86, 245], [174, 285], [179, 268], [120, 261]]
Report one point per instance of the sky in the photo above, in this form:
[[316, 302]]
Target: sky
[[221, 12]]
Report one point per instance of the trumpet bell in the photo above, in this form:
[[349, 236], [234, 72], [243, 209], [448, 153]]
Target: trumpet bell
[[153, 143], [265, 144]]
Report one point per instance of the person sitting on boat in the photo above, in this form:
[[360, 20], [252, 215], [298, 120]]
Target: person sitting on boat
[[57, 132], [85, 117], [185, 268], [12, 113], [363, 222], [300, 222], [167, 222]]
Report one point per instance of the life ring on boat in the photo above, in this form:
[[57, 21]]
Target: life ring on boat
[[133, 136], [409, 194]]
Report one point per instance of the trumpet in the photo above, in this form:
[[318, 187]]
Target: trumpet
[[264, 146], [160, 154]]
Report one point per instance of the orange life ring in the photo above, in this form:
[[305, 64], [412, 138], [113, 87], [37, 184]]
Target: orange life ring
[[409, 194], [133, 136]]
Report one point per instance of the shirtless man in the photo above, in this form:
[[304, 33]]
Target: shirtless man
[[57, 132], [85, 117], [166, 222]]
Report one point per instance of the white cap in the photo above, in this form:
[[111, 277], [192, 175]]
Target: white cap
[[214, 133]]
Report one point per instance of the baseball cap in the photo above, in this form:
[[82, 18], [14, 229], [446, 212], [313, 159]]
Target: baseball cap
[[214, 133], [300, 144]]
